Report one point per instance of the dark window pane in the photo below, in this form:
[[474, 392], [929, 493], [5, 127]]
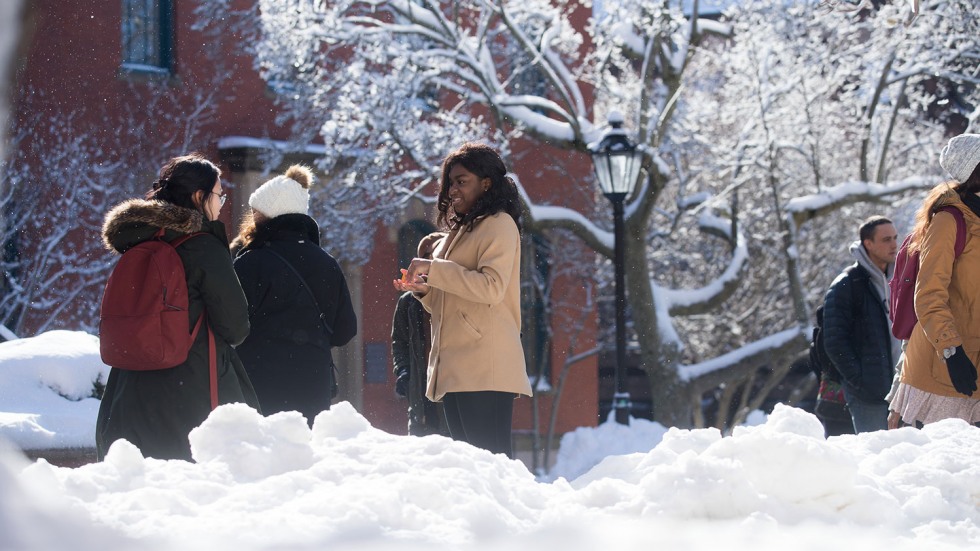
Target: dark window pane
[[145, 33], [376, 362]]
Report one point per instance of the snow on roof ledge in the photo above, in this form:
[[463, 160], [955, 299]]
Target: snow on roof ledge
[[707, 7], [247, 142]]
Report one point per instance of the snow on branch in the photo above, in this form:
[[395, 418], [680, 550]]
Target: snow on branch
[[688, 301], [771, 344], [536, 123], [680, 302], [535, 102], [415, 11], [714, 27], [834, 197], [568, 79], [548, 216], [538, 58]]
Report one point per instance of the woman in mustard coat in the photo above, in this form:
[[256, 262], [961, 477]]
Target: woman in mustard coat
[[471, 287], [939, 375]]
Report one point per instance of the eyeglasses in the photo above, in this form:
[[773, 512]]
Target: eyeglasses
[[221, 199]]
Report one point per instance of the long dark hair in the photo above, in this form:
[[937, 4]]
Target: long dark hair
[[936, 200], [182, 177], [502, 196]]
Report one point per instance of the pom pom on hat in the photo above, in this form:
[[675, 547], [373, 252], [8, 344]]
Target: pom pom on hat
[[961, 156], [286, 194]]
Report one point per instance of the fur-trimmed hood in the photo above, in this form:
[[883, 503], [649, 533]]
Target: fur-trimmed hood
[[136, 220]]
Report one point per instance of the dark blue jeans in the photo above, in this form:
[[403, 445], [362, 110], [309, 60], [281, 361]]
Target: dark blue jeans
[[867, 416], [481, 418]]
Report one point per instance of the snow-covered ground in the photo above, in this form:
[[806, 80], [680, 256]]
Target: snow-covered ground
[[263, 483], [46, 388]]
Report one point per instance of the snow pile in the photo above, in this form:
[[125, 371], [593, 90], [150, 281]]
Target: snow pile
[[584, 447], [264, 483], [272, 483], [47, 388]]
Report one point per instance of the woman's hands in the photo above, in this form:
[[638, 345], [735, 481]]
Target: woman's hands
[[414, 278], [894, 420]]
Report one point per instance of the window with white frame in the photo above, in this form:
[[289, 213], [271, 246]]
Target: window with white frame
[[147, 35]]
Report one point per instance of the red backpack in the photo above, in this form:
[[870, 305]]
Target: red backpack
[[901, 304], [143, 324]]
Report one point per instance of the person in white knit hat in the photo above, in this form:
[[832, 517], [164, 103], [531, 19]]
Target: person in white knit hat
[[286, 194], [939, 374], [298, 302], [961, 156]]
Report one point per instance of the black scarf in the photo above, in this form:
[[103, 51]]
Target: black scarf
[[971, 200]]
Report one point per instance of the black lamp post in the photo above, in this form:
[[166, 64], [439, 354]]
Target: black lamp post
[[617, 166]]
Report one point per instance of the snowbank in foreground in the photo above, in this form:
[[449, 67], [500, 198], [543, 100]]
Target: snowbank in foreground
[[272, 483]]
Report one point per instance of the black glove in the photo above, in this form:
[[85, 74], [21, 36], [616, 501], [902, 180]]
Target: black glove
[[962, 372], [401, 383]]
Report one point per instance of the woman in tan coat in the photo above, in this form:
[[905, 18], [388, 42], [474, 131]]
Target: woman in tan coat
[[471, 287], [939, 375]]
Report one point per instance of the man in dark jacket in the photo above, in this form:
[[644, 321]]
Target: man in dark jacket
[[410, 355], [857, 333]]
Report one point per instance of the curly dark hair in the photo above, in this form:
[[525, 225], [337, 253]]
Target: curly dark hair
[[502, 196]]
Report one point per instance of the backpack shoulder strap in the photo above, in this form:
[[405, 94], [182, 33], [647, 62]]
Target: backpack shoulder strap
[[960, 229], [202, 320], [303, 283], [184, 238]]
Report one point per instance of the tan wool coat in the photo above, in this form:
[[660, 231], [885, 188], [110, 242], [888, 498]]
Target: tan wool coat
[[475, 301], [947, 301]]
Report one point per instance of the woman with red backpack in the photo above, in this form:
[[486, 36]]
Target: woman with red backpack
[[152, 406], [939, 374]]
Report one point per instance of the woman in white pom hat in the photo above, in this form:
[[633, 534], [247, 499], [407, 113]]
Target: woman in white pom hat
[[939, 374], [298, 302]]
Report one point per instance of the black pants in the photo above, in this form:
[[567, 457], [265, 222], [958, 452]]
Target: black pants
[[481, 419]]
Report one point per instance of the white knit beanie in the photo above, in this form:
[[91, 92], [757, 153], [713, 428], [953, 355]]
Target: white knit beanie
[[286, 194], [961, 156]]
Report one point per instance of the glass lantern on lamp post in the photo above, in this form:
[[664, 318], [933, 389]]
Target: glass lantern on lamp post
[[617, 166]]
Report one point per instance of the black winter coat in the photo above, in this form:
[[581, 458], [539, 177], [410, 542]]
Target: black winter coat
[[156, 410], [409, 353], [287, 354], [857, 336]]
